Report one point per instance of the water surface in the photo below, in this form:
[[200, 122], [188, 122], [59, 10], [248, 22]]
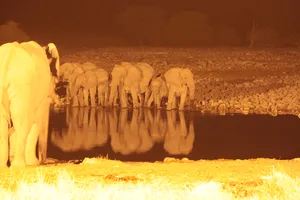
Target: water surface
[[151, 135]]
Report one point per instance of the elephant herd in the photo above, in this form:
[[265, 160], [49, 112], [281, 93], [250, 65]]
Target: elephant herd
[[29, 74], [147, 88], [129, 132]]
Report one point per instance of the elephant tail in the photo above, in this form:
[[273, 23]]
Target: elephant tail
[[6, 51]]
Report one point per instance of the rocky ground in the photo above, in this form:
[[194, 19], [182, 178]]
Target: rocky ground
[[228, 80]]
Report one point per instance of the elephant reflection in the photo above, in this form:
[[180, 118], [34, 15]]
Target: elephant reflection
[[87, 129], [130, 136], [90, 127], [179, 140]]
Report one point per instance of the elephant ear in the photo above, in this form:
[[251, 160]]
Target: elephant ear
[[53, 57], [172, 76]]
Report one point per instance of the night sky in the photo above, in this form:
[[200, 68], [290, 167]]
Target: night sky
[[99, 16]]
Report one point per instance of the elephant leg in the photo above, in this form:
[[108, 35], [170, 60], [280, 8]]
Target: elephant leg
[[100, 96], [174, 103], [182, 100], [93, 91], [147, 96], [134, 96], [123, 98], [141, 98], [86, 97], [105, 94], [170, 99], [75, 101], [150, 100], [3, 141], [68, 94], [38, 132], [30, 146], [80, 97], [22, 118], [157, 101]]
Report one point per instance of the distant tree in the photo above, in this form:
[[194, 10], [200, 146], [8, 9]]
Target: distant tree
[[188, 28], [263, 37], [228, 36], [10, 32], [142, 24]]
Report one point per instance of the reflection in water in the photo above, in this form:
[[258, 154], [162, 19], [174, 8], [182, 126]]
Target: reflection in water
[[129, 131]]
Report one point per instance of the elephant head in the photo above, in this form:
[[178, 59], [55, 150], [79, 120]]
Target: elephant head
[[53, 57], [86, 80]]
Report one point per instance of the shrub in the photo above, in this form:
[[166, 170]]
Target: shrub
[[263, 37], [10, 32]]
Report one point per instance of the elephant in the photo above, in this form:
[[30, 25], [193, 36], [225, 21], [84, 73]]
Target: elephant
[[68, 72], [125, 79], [148, 73], [25, 79], [178, 81], [91, 81], [158, 89]]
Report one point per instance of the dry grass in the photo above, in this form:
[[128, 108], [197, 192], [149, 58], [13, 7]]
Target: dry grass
[[107, 179]]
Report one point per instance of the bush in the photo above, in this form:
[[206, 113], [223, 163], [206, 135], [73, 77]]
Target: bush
[[10, 32]]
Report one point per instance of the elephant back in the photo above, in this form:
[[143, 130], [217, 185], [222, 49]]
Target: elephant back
[[117, 73], [88, 66], [91, 79], [102, 75], [66, 69], [172, 77], [76, 72], [132, 76]]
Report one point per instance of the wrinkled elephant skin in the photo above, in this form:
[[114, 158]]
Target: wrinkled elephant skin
[[25, 82]]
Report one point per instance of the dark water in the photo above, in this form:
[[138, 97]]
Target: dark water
[[148, 135]]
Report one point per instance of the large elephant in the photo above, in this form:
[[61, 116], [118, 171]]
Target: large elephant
[[125, 79], [91, 81], [158, 89], [25, 80], [148, 73], [179, 81]]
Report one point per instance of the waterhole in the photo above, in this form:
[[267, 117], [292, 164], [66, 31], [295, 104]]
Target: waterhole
[[151, 135]]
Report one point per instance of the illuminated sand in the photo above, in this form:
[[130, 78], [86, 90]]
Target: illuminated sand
[[106, 179]]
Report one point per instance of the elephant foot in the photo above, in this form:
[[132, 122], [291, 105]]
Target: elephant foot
[[18, 163], [93, 106], [75, 105], [32, 161], [3, 165], [181, 108]]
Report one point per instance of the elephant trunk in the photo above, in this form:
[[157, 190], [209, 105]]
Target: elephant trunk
[[113, 93], [191, 86]]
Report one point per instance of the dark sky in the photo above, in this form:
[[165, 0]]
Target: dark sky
[[99, 15]]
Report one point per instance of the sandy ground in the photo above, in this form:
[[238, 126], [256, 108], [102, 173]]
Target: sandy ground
[[240, 178], [260, 81]]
